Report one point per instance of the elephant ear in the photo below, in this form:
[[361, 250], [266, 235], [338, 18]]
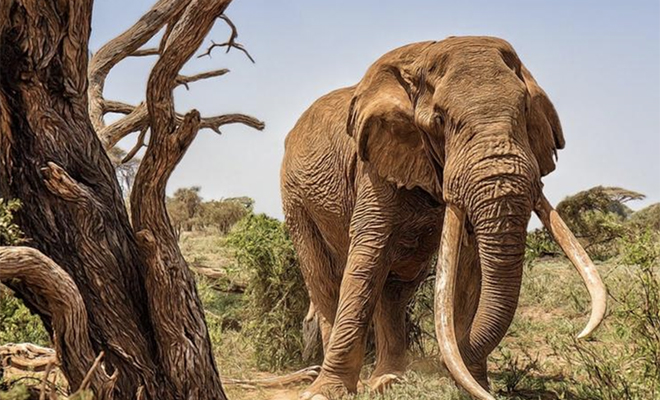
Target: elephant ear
[[543, 126], [382, 123]]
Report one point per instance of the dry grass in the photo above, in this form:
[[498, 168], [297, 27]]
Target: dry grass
[[537, 359], [529, 363]]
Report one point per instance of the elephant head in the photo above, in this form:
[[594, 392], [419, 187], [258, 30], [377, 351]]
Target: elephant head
[[464, 120]]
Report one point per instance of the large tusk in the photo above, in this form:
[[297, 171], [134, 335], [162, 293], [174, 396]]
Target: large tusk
[[574, 251], [445, 283]]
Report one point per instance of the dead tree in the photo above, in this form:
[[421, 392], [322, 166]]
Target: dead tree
[[103, 283]]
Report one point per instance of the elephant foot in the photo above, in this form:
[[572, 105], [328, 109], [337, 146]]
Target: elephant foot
[[381, 383], [325, 389]]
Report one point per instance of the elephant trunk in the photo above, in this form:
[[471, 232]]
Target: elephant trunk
[[501, 255], [447, 270], [496, 194], [501, 247], [497, 198], [499, 194]]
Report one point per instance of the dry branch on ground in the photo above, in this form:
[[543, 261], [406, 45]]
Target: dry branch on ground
[[33, 358]]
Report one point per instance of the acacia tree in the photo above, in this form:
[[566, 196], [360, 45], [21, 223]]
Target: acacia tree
[[108, 288]]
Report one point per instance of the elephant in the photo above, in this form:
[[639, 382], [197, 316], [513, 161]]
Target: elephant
[[439, 149]]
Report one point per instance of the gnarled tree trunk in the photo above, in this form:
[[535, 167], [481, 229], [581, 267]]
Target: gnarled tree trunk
[[118, 288]]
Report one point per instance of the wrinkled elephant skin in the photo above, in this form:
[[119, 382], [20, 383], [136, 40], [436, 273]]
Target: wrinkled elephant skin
[[368, 175]]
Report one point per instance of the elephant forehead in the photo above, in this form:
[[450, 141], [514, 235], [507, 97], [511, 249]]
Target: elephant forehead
[[458, 44]]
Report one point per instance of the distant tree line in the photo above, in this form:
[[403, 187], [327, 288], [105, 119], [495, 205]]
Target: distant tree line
[[188, 211]]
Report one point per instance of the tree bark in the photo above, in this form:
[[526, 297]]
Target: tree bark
[[64, 305], [139, 297]]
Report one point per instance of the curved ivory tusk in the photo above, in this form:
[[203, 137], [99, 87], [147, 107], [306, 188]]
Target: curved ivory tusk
[[447, 269], [574, 251]]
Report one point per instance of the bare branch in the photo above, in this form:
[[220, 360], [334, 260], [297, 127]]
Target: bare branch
[[145, 52], [138, 145], [229, 44], [137, 120], [186, 131], [44, 357], [232, 26], [179, 338], [44, 381], [53, 292], [123, 46], [61, 184], [27, 356], [185, 80], [110, 106], [140, 118], [304, 375], [92, 371], [214, 123]]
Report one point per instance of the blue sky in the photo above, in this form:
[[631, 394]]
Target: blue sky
[[598, 60]]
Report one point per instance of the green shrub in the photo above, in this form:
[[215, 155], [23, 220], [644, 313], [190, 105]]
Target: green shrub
[[224, 307], [642, 314], [597, 218], [276, 298], [10, 233], [420, 318], [220, 215], [646, 219], [517, 372], [17, 324], [15, 392], [626, 367], [540, 244]]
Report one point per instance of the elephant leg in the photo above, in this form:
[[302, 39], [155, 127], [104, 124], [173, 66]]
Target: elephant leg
[[391, 333], [468, 289], [322, 277], [361, 286]]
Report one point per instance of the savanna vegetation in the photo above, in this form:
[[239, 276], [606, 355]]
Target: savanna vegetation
[[114, 288], [188, 212], [256, 302]]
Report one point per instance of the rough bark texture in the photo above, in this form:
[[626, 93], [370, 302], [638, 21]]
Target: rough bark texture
[[84, 230], [132, 295], [64, 305], [182, 345]]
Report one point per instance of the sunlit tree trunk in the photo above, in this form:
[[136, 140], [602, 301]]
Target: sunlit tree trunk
[[122, 289]]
